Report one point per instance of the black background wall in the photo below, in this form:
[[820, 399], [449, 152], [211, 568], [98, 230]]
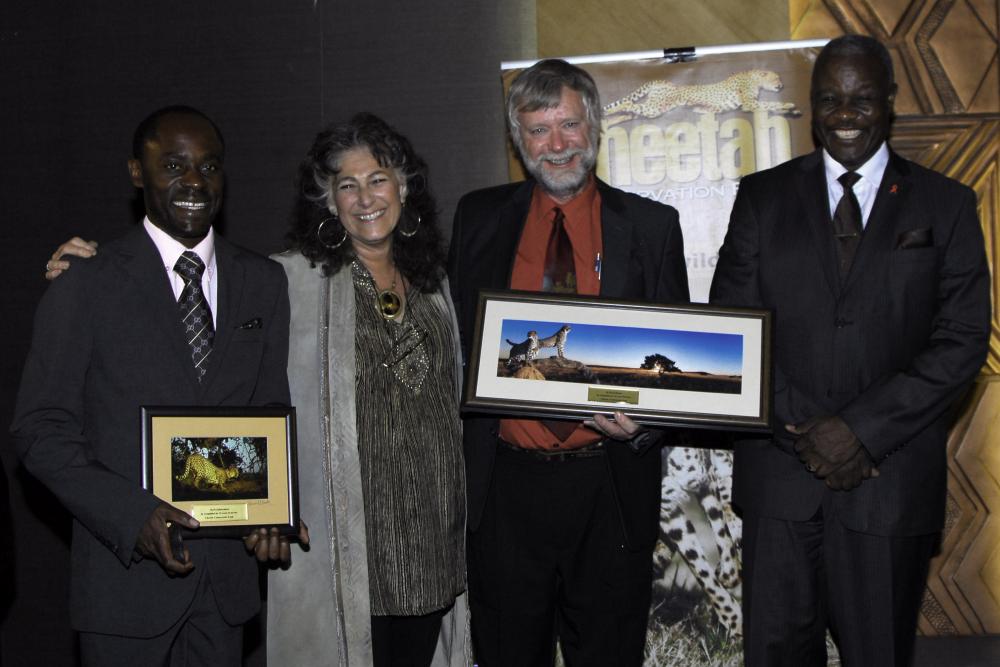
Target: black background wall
[[77, 77]]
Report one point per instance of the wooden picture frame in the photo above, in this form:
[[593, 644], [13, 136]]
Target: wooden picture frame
[[693, 365], [232, 468]]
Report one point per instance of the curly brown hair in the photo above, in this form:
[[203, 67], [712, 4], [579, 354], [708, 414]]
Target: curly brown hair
[[420, 257]]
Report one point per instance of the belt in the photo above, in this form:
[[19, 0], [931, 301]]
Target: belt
[[554, 456]]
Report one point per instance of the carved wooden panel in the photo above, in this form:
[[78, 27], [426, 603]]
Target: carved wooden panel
[[963, 588], [945, 51]]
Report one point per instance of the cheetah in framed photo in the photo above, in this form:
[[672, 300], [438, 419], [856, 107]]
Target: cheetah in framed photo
[[556, 340], [523, 352], [199, 472]]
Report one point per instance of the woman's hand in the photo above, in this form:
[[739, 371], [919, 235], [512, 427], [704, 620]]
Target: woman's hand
[[76, 247]]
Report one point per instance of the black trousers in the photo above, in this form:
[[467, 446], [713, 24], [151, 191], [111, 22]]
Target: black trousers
[[800, 578], [549, 560], [200, 638], [406, 641]]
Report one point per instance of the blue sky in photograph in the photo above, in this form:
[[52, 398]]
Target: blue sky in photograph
[[601, 345]]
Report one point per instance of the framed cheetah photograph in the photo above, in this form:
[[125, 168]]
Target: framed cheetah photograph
[[233, 469], [209, 468], [570, 356]]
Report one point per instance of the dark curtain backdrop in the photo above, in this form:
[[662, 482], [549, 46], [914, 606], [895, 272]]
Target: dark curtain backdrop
[[76, 77]]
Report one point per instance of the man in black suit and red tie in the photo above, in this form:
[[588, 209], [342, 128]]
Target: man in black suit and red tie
[[876, 272], [563, 516], [169, 314]]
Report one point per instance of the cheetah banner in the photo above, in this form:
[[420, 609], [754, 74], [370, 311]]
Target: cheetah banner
[[683, 133]]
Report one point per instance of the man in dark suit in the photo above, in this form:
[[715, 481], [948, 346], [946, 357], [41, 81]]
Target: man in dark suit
[[876, 271], [132, 327], [562, 521]]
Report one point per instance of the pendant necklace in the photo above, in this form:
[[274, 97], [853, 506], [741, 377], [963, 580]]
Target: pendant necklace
[[388, 302]]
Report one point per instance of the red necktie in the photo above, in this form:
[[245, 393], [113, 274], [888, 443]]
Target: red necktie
[[559, 276], [560, 272]]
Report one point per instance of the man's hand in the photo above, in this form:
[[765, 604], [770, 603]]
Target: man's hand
[[830, 451], [76, 247], [154, 539], [273, 549], [620, 428], [857, 469]]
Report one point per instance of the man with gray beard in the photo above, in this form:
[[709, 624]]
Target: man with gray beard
[[563, 516]]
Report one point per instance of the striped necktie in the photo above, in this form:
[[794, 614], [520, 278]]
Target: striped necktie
[[195, 314]]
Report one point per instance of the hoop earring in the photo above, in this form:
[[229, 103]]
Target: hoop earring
[[319, 234], [416, 228]]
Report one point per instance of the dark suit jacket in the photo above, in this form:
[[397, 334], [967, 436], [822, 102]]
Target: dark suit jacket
[[889, 351], [107, 340], [643, 260]]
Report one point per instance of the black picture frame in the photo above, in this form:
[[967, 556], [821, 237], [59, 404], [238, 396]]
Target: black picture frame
[[715, 370], [232, 468]]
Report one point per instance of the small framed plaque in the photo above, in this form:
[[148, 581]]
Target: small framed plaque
[[231, 468], [550, 356]]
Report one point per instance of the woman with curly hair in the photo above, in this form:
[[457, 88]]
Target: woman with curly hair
[[374, 371]]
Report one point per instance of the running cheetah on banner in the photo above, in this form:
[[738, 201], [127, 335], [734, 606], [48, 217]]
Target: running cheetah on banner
[[739, 91]]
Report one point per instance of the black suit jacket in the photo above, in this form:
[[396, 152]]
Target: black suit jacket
[[107, 340], [643, 259], [889, 350]]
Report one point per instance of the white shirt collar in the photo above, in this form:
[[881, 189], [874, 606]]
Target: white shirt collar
[[871, 171], [171, 249], [867, 186]]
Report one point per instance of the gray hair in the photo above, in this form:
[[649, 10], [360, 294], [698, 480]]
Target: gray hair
[[540, 87]]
